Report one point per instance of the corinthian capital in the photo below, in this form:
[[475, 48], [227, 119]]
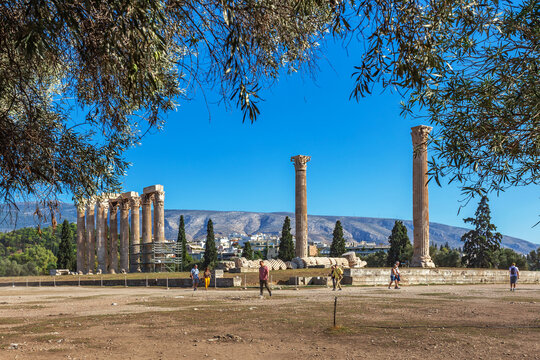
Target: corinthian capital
[[159, 198], [135, 202], [147, 199], [300, 161], [420, 134]]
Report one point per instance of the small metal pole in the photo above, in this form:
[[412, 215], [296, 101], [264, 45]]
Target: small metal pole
[[39, 282], [54, 281], [101, 281], [245, 280], [13, 283], [335, 307], [79, 280], [167, 283], [125, 281], [215, 281], [27, 282], [146, 280]]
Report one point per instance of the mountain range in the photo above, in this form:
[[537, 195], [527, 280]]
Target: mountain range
[[319, 227]]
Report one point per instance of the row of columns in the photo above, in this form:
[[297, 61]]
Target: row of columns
[[421, 257], [98, 232]]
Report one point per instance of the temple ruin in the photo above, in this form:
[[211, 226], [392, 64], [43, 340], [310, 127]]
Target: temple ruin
[[98, 231], [300, 167]]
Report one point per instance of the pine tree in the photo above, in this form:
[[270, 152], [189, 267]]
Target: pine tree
[[247, 252], [338, 241], [481, 243], [183, 241], [400, 245], [210, 251], [66, 257], [286, 244]]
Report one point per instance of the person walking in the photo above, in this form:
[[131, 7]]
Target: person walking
[[207, 276], [194, 275], [332, 277], [338, 276], [263, 277], [514, 276], [394, 276]]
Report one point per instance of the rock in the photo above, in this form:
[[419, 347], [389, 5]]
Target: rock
[[114, 304], [13, 346]]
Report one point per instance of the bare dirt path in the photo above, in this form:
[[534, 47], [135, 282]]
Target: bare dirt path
[[418, 322]]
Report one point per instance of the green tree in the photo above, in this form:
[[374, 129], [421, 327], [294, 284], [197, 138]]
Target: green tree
[[210, 250], [400, 245], [124, 64], [247, 252], [183, 241], [337, 248], [286, 244], [480, 245], [505, 257], [66, 256], [533, 260], [43, 258], [472, 72], [376, 259], [446, 257]]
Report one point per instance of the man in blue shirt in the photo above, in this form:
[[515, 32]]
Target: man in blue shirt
[[195, 277], [514, 276]]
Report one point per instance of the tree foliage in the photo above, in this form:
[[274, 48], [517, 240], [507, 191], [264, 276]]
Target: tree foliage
[[472, 69], [445, 256], [400, 245], [337, 248], [66, 255], [82, 81], [183, 241], [286, 245], [210, 250], [533, 260], [505, 257], [247, 251], [481, 243]]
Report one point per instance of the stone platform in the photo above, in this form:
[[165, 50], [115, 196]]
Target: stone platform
[[417, 276]]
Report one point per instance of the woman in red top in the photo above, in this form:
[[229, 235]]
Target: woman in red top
[[263, 277]]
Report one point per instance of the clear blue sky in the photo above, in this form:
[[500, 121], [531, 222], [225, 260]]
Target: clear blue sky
[[361, 156]]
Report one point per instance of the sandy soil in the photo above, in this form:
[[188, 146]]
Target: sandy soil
[[419, 322]]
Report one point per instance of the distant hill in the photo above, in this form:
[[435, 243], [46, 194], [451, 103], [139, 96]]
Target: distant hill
[[319, 227]]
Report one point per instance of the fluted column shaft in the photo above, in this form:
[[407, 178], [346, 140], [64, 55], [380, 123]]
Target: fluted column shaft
[[135, 237], [159, 216], [300, 166], [146, 200], [124, 234], [101, 232], [90, 238], [81, 248], [113, 238], [421, 257]]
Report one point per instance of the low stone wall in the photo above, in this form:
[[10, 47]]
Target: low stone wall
[[309, 280], [185, 282], [415, 276]]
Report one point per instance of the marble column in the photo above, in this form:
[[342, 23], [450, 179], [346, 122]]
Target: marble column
[[101, 233], [159, 216], [146, 258], [113, 237], [300, 166], [135, 236], [81, 248], [90, 237], [124, 234], [421, 256]]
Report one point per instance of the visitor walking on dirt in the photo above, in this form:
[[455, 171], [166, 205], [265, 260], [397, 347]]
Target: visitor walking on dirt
[[263, 277], [194, 275], [207, 276], [514, 276], [332, 277], [394, 276], [338, 276]]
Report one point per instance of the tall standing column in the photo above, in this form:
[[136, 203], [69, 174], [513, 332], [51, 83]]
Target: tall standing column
[[146, 258], [135, 236], [159, 216], [81, 248], [421, 256], [101, 232], [300, 166], [124, 234], [113, 237], [90, 237]]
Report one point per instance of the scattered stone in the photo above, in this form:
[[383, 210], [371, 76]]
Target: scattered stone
[[13, 346], [114, 304]]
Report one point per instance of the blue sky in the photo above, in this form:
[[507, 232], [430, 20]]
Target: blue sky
[[361, 156]]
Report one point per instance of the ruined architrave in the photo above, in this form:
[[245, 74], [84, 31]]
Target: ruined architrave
[[421, 256], [300, 166]]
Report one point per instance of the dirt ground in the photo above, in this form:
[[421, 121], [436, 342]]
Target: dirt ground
[[417, 322]]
